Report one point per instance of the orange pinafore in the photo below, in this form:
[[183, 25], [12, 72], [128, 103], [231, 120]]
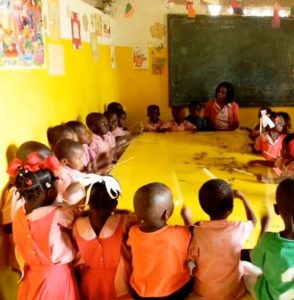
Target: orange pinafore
[[42, 279]]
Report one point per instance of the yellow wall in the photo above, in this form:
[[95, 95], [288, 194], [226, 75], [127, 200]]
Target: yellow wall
[[31, 100]]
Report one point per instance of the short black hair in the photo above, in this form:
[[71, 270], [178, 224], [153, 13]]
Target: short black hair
[[75, 125], [91, 120], [54, 133], [64, 147], [114, 106], [284, 195], [216, 198], [152, 107], [195, 103], [230, 91]]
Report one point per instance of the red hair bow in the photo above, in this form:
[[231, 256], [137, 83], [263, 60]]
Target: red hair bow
[[33, 163]]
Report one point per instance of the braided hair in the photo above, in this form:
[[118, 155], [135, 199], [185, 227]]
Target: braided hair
[[31, 185]]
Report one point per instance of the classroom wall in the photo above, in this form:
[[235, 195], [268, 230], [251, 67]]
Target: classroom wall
[[32, 100], [139, 88]]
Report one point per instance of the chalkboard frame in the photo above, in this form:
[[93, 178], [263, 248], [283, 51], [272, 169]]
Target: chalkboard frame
[[174, 99]]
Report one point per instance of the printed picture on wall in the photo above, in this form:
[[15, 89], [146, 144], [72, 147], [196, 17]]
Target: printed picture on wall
[[98, 24], [21, 37], [53, 19], [140, 58], [76, 31], [158, 60]]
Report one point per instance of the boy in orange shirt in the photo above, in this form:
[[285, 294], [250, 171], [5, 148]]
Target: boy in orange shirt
[[159, 251]]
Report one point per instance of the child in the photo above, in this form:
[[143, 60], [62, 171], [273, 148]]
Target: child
[[287, 120], [269, 143], [71, 156], [85, 139], [159, 251], [114, 106], [58, 133], [118, 132], [100, 236], [178, 123], [215, 247], [194, 116], [222, 112], [274, 252], [39, 232], [154, 123]]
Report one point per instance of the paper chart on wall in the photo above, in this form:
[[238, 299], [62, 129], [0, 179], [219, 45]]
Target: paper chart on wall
[[56, 60], [76, 30], [54, 19], [21, 36], [158, 61], [140, 58]]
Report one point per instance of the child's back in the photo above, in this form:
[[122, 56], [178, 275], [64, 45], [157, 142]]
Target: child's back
[[159, 252], [216, 244], [274, 252]]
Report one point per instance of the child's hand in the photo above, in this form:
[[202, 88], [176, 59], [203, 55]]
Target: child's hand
[[186, 214], [238, 194]]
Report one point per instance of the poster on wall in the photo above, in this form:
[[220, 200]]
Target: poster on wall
[[140, 58], [98, 24], [53, 19], [94, 46], [21, 37], [158, 61], [56, 60], [76, 30]]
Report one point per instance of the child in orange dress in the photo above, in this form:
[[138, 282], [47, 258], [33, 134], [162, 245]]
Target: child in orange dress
[[159, 251], [39, 233], [215, 247], [100, 236]]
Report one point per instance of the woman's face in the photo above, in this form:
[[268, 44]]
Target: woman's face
[[221, 94]]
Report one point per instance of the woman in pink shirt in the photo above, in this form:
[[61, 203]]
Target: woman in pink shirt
[[222, 112], [41, 238]]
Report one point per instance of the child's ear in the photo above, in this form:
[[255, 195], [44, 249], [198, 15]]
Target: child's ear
[[64, 161], [276, 209], [165, 216]]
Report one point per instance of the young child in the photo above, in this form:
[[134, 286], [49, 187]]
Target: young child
[[58, 133], [178, 123], [100, 235], [85, 139], [39, 232], [154, 123], [269, 143], [122, 119], [195, 117], [287, 120], [215, 247], [274, 252], [118, 132], [114, 106], [159, 251]]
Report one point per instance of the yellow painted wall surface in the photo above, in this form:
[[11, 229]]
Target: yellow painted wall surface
[[31, 101]]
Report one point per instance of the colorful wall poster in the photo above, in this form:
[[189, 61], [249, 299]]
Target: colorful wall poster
[[140, 58], [76, 31], [21, 37], [158, 61], [53, 21]]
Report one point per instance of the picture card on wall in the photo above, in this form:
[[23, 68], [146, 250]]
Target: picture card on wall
[[140, 58], [56, 60], [53, 21], [76, 31]]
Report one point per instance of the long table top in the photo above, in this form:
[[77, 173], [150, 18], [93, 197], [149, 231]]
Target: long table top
[[184, 161]]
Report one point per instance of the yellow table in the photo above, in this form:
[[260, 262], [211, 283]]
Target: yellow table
[[184, 161]]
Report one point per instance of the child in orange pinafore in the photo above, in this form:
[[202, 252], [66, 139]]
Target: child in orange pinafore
[[159, 251], [39, 233], [104, 265]]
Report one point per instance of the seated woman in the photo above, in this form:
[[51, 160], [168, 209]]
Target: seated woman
[[222, 112]]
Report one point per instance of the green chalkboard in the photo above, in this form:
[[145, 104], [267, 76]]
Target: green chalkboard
[[246, 51]]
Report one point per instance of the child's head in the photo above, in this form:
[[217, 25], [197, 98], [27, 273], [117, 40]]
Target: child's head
[[58, 133], [122, 118], [29, 147], [195, 108], [114, 106], [97, 123], [112, 119], [70, 153], [284, 200], [153, 113], [278, 121], [178, 113], [287, 120], [153, 203], [224, 93], [216, 199], [102, 195], [37, 187], [81, 131], [287, 151]]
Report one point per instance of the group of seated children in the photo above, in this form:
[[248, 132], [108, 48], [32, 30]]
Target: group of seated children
[[100, 252]]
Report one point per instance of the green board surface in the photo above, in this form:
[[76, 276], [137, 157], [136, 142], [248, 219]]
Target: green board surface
[[245, 51]]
